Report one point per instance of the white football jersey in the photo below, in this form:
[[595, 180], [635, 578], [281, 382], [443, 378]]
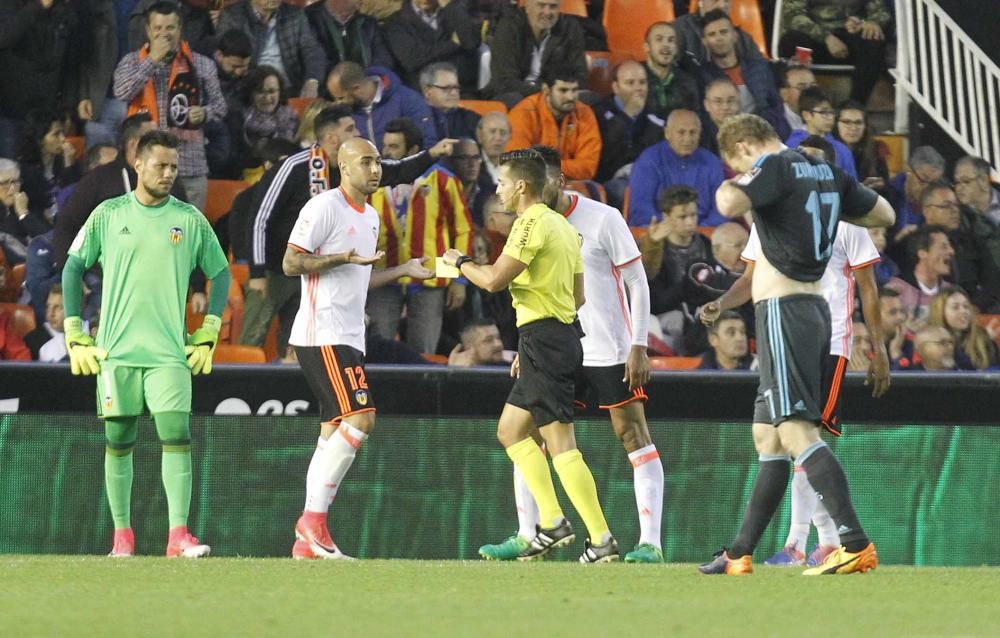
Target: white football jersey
[[332, 310], [852, 250], [607, 246]]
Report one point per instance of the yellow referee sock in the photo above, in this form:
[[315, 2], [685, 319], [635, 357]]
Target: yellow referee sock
[[579, 485], [528, 458]]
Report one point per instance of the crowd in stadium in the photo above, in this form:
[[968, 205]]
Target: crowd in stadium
[[260, 91]]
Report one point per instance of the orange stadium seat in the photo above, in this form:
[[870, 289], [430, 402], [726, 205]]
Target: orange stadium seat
[[483, 106], [231, 353], [80, 144], [626, 22], [22, 317], [232, 315], [706, 231], [674, 363], [18, 273], [240, 273], [892, 148], [601, 67], [992, 324], [271, 342], [435, 358], [299, 104], [221, 193]]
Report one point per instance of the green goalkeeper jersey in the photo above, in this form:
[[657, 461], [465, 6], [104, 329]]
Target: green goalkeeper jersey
[[147, 254]]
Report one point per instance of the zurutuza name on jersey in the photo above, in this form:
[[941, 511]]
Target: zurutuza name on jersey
[[818, 172]]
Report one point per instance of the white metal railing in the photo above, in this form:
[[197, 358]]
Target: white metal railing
[[940, 68]]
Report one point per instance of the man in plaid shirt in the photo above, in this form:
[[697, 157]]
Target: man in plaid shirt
[[178, 88]]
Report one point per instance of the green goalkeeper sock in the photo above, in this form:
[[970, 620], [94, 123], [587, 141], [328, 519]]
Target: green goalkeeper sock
[[175, 436], [119, 433]]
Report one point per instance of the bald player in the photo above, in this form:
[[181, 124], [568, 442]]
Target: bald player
[[332, 248]]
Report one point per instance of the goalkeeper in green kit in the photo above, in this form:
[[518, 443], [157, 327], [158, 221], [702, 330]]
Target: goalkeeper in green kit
[[147, 244]]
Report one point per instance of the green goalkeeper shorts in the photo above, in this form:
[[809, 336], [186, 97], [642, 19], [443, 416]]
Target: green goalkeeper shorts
[[127, 391]]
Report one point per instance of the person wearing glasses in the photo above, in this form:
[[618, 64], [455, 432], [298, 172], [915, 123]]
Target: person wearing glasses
[[439, 84], [261, 114], [795, 79], [852, 129], [722, 101], [466, 163], [974, 189], [925, 166], [973, 268], [819, 117], [935, 348], [18, 223]]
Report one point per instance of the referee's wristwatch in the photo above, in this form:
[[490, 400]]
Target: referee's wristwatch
[[461, 260]]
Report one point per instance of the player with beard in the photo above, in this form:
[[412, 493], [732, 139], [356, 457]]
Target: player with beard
[[332, 248], [147, 243]]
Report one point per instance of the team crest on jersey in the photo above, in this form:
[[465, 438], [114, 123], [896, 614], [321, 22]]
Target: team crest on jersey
[[749, 176], [108, 402], [361, 396], [176, 235]]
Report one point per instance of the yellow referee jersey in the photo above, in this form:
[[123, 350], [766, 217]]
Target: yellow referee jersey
[[550, 246]]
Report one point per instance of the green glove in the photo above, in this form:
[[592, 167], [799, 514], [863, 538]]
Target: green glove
[[84, 356], [201, 345]]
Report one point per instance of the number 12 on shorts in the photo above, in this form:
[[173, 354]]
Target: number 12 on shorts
[[356, 375]]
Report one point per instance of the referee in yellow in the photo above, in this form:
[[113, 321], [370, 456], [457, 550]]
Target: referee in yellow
[[541, 263]]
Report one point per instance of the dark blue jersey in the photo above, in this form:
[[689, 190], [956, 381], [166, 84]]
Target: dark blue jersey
[[797, 201]]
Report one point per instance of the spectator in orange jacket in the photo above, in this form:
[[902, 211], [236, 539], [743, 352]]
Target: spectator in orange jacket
[[555, 117], [12, 346]]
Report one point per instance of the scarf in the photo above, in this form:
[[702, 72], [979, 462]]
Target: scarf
[[182, 93], [319, 171]]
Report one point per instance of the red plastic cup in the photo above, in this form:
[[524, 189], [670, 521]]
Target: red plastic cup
[[804, 55]]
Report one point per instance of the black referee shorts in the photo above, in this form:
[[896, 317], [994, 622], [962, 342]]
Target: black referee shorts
[[793, 348], [549, 353]]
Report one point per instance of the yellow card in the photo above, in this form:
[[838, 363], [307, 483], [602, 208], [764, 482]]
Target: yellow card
[[442, 269]]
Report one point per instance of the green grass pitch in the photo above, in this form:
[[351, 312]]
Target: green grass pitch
[[92, 596]]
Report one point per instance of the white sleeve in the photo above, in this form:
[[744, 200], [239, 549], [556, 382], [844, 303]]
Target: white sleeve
[[859, 246], [637, 286], [617, 240], [752, 249], [313, 227]]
